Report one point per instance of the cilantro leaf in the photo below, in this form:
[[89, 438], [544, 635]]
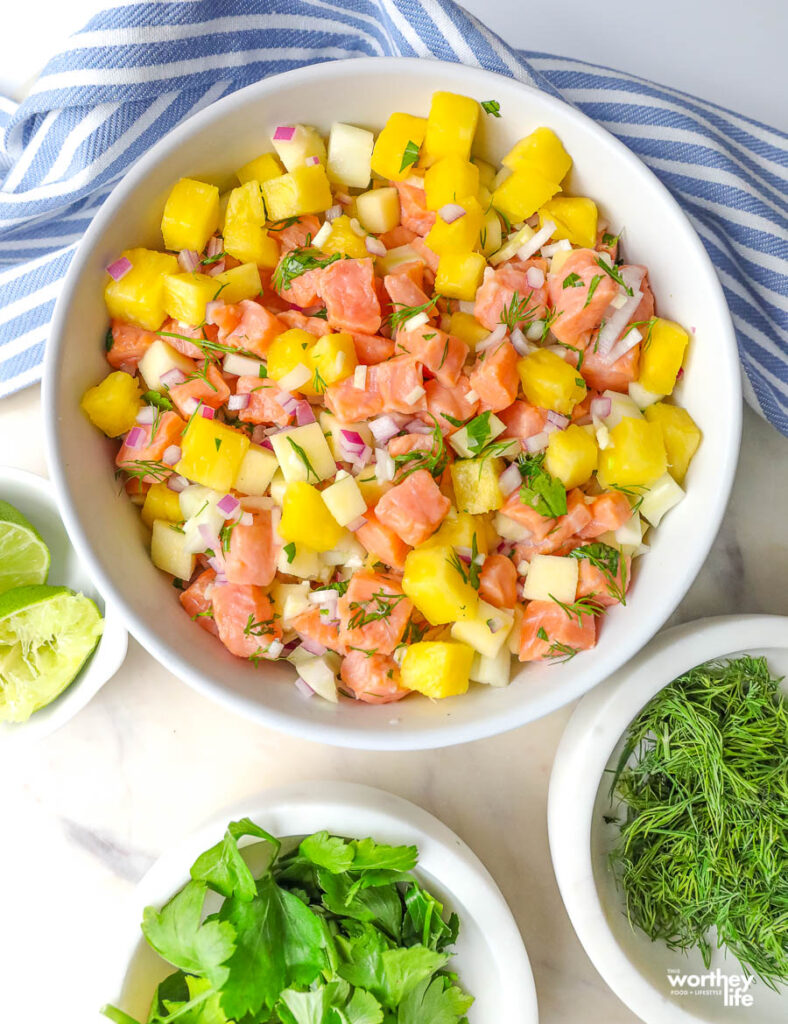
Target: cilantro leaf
[[370, 854], [491, 107], [379, 905], [330, 852], [409, 156], [404, 968], [542, 492], [363, 1008], [298, 262], [479, 432], [424, 920], [438, 1002], [296, 1007], [224, 869]]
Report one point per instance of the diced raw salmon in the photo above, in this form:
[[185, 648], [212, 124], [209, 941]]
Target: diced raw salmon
[[498, 581], [314, 625], [607, 512], [576, 313], [443, 401], [404, 291], [372, 678], [381, 542], [264, 405], [645, 309], [441, 353], [594, 583], [429, 256], [169, 429], [494, 377], [245, 618], [251, 557], [248, 326], [373, 612], [196, 600], [564, 633], [560, 539], [611, 248], [604, 376], [313, 324], [413, 509], [270, 298], [414, 214], [405, 443], [372, 348], [522, 420], [398, 236], [539, 525], [178, 336], [129, 345], [351, 404], [506, 290], [397, 380], [297, 235], [206, 385], [348, 289]]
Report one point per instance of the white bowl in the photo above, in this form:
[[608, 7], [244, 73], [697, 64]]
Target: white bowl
[[107, 530], [35, 499], [632, 965], [490, 959]]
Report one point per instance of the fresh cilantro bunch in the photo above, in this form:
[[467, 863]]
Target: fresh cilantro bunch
[[335, 931]]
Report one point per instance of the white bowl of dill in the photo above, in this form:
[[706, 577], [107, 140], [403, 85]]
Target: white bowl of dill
[[668, 820]]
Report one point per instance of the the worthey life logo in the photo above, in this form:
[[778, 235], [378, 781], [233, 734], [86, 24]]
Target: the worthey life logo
[[733, 988]]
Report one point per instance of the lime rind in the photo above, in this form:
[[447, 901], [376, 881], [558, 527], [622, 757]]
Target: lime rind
[[24, 557]]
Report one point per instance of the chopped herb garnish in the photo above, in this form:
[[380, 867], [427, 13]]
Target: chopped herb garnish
[[573, 281], [298, 262], [207, 261], [547, 323], [540, 491], [280, 225], [582, 606], [615, 274], [226, 533], [318, 383], [519, 311], [262, 627], [542, 634], [507, 224], [592, 288], [289, 550], [321, 314], [635, 492], [158, 400], [608, 560], [304, 458], [469, 573], [611, 240], [109, 341], [414, 633], [561, 650], [580, 355], [434, 460], [138, 469], [409, 156], [218, 442], [379, 606], [491, 107], [450, 419], [400, 316]]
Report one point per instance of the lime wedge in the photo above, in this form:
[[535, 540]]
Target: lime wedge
[[46, 634], [24, 557]]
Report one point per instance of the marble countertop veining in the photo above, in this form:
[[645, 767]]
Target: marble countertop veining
[[88, 809]]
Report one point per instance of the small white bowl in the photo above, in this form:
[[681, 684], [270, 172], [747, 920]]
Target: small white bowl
[[632, 965], [35, 499], [490, 959]]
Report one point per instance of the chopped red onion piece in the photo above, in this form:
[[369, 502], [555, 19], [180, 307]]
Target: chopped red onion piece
[[177, 483], [237, 401], [521, 346], [333, 212], [680, 374], [284, 133], [304, 414], [146, 414], [171, 378], [287, 401], [303, 688], [171, 455], [209, 537], [549, 428], [207, 412], [535, 277], [623, 345], [266, 443], [214, 246], [451, 212], [527, 249], [216, 268], [356, 524], [217, 564], [312, 646], [510, 479], [616, 322], [464, 554], [228, 506], [383, 428], [562, 422], [537, 442], [352, 441], [375, 246], [632, 276], [496, 335], [188, 260], [135, 438], [119, 268], [601, 407], [312, 161]]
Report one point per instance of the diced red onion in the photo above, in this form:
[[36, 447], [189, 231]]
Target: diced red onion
[[563, 245], [312, 646], [623, 345], [549, 428], [171, 378], [304, 413], [535, 277], [171, 455], [177, 483], [536, 442], [209, 537], [616, 322], [303, 688], [135, 438], [632, 276], [419, 320], [383, 429], [496, 335], [451, 212], [333, 212], [527, 249], [494, 625], [521, 346], [266, 443], [464, 554], [284, 133], [375, 246], [385, 467], [237, 402], [510, 479], [214, 246], [415, 394], [216, 268], [287, 401], [418, 427], [680, 374], [245, 519], [207, 412], [145, 415], [356, 524], [119, 268], [601, 407], [217, 564], [562, 422], [275, 649], [228, 506], [188, 260], [352, 441], [312, 161]]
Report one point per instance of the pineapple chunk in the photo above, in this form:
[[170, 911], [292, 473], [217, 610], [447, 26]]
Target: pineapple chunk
[[256, 471], [158, 360], [462, 235], [661, 356], [543, 151], [448, 178], [660, 498], [458, 530], [331, 426], [306, 518], [344, 500], [306, 142], [460, 274], [467, 443], [138, 297], [636, 455], [287, 351], [238, 283], [298, 560], [491, 234], [113, 404], [303, 454], [349, 155], [549, 382], [378, 210], [551, 577], [492, 671], [401, 132], [187, 295], [199, 508], [679, 433], [641, 397], [343, 239], [487, 632], [333, 358], [437, 669], [436, 587], [571, 456], [211, 453], [245, 237], [522, 193], [289, 600], [262, 168], [161, 503], [451, 126], [168, 550], [476, 487], [467, 328], [191, 215], [575, 219], [486, 172], [303, 190]]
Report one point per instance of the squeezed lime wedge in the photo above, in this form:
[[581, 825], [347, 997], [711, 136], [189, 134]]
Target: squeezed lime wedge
[[24, 557], [46, 635]]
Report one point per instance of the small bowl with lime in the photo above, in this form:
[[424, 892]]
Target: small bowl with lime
[[59, 643]]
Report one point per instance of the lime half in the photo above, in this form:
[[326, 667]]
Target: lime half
[[46, 634], [24, 557]]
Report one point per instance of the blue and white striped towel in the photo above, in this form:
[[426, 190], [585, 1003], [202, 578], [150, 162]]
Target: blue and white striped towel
[[136, 71]]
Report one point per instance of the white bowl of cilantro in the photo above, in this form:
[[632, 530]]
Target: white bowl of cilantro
[[668, 827], [287, 939]]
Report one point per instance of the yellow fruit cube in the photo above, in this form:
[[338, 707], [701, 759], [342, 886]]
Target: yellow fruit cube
[[306, 519], [571, 456], [303, 454], [245, 206], [476, 488], [635, 456], [303, 190], [543, 151], [661, 356], [522, 193], [343, 239], [462, 235], [448, 178], [333, 357], [245, 238], [467, 328], [491, 235], [262, 168], [168, 550], [256, 471], [289, 350], [575, 219], [437, 668], [238, 283], [437, 587], [550, 382], [402, 132], [460, 274], [211, 453], [113, 404], [458, 530], [161, 503], [451, 126], [680, 434], [486, 172], [191, 215], [378, 209], [487, 633], [138, 297], [344, 499], [187, 295]]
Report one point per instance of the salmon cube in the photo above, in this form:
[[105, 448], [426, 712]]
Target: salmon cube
[[528, 517], [443, 402], [404, 291], [498, 581], [129, 345], [314, 625], [413, 509], [607, 513], [430, 257], [207, 387], [168, 431], [373, 612], [315, 325], [252, 552], [382, 542], [264, 406], [196, 600], [348, 289], [577, 312], [522, 420], [592, 582], [414, 214], [254, 329], [351, 404], [372, 678], [547, 633], [397, 236], [494, 378], [179, 336], [372, 348], [560, 538], [605, 376], [399, 380], [506, 291], [245, 619], [442, 354], [297, 235]]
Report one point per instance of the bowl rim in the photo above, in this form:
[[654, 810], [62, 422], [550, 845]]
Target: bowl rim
[[589, 739], [333, 803], [384, 737]]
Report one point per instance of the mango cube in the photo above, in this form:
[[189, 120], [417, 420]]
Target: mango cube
[[378, 210], [333, 358], [168, 550], [448, 178], [287, 351], [138, 297], [238, 283], [161, 503], [303, 190], [191, 215], [245, 238], [571, 456], [661, 356], [460, 274], [549, 382], [541, 151], [256, 471], [436, 587], [344, 500], [635, 457], [113, 404], [575, 219], [349, 155], [522, 193], [680, 434], [400, 131], [343, 239], [467, 328], [211, 453], [451, 126], [262, 168], [187, 295], [462, 235], [303, 454], [487, 632], [306, 518], [551, 577], [458, 530], [437, 669], [476, 488]]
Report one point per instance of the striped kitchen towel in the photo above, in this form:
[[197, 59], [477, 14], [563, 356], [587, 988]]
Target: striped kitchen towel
[[136, 71]]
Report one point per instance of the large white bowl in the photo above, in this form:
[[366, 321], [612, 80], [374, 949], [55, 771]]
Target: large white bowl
[[490, 959], [107, 530], [580, 840]]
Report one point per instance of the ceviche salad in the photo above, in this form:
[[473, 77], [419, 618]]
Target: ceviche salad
[[391, 412]]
